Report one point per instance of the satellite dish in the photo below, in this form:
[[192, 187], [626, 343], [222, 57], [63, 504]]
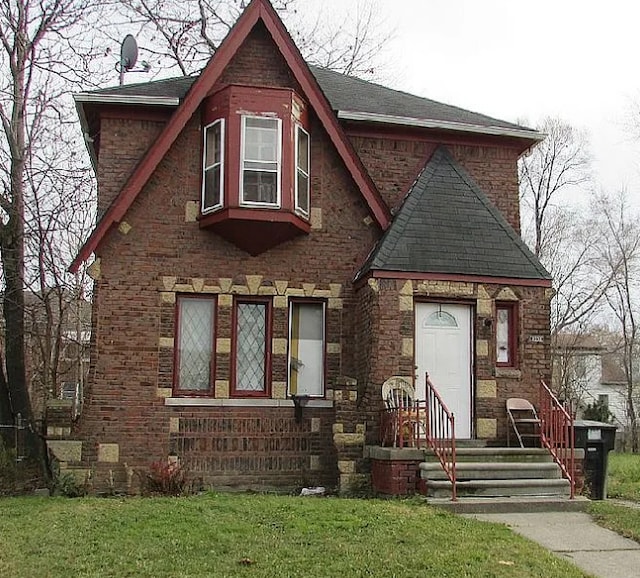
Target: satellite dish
[[128, 53]]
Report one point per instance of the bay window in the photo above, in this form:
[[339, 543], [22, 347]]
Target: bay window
[[306, 348], [260, 166], [213, 166], [195, 344]]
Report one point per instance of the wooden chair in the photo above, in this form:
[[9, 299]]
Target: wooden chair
[[399, 398], [524, 420]]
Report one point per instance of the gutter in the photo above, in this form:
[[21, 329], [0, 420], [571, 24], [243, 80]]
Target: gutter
[[441, 124]]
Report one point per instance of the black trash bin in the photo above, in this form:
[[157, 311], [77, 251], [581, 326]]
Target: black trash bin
[[597, 439]]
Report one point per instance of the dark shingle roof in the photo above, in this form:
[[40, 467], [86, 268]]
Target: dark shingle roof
[[448, 225], [348, 93], [343, 92]]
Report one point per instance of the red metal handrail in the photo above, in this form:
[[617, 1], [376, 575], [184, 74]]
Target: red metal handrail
[[440, 430], [557, 433]]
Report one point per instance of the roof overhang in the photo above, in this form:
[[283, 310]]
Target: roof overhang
[[86, 98], [528, 134]]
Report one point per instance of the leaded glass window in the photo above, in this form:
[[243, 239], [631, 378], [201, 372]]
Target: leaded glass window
[[195, 343], [251, 347]]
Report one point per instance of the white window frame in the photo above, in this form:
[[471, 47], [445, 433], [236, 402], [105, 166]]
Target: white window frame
[[306, 173], [204, 209], [291, 361], [278, 171]]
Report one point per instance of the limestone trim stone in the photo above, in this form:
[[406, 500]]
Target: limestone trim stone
[[198, 284], [191, 211], [225, 300], [407, 346], [168, 297], [253, 283], [487, 428], [124, 228], [169, 282], [219, 401], [334, 348], [279, 346], [314, 463], [316, 218], [315, 424], [279, 389], [281, 286], [225, 284], [405, 302], [507, 294], [164, 392], [280, 302], [109, 453], [174, 424], [166, 342], [335, 303], [487, 388], [482, 348], [223, 345], [221, 389], [94, 270]]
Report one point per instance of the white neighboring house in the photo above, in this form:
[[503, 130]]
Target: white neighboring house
[[584, 372]]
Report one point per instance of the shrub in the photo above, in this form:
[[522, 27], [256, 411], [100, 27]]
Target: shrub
[[66, 484], [165, 479]]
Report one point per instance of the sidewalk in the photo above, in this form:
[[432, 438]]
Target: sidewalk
[[573, 535]]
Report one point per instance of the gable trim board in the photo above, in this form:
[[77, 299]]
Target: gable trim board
[[258, 10], [446, 226]]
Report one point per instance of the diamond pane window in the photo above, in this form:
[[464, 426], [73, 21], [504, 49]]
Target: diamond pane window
[[251, 348], [195, 343], [261, 161]]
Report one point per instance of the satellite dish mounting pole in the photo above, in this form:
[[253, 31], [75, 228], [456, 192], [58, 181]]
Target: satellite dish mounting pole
[[128, 56]]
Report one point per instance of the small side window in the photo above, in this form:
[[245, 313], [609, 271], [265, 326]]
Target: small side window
[[213, 166], [506, 334], [302, 170]]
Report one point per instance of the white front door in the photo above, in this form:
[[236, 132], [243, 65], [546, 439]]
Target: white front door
[[443, 350]]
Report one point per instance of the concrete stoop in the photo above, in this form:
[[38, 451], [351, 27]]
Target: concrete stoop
[[515, 479], [511, 505]]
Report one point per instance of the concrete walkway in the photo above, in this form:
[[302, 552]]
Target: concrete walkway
[[574, 535]]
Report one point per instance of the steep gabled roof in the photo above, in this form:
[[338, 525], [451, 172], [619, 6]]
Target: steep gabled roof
[[447, 225], [258, 10]]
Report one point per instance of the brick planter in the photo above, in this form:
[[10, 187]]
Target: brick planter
[[394, 471]]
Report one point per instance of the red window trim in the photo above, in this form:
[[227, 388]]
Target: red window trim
[[177, 391], [513, 325], [324, 302], [234, 346]]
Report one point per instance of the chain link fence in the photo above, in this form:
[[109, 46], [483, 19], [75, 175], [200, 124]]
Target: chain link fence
[[14, 435]]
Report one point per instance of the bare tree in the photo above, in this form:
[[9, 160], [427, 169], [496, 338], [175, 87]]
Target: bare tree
[[620, 258], [40, 42], [183, 34], [555, 167]]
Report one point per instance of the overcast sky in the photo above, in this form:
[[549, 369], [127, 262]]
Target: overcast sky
[[578, 60]]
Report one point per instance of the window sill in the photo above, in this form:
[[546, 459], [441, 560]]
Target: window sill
[[508, 372], [246, 402]]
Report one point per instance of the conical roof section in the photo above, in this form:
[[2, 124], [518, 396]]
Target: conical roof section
[[448, 225]]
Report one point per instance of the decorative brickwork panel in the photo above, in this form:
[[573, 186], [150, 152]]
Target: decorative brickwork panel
[[260, 448], [394, 477]]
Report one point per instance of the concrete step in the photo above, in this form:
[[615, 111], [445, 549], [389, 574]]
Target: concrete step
[[500, 487], [492, 470], [511, 505], [488, 454]]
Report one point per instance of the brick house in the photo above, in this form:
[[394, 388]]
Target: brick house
[[274, 241]]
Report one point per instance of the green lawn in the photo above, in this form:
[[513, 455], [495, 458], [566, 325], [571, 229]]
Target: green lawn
[[624, 476], [623, 481], [258, 536]]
